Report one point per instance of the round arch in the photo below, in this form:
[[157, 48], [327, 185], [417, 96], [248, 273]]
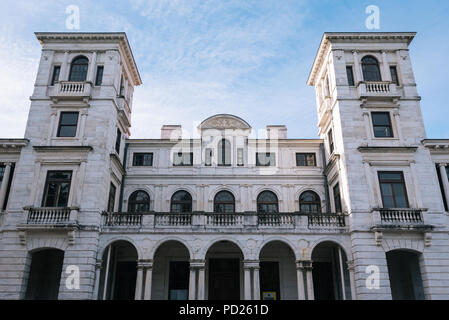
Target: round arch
[[277, 239], [161, 242], [102, 249], [202, 254]]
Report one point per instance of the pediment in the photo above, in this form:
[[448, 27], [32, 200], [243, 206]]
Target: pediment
[[224, 121]]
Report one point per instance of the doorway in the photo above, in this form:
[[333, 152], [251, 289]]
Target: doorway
[[224, 279]]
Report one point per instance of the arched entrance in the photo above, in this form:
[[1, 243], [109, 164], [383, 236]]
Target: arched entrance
[[405, 275], [171, 270], [45, 274], [330, 273], [277, 272], [224, 271], [119, 268]]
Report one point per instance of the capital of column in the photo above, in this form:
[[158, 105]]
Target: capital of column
[[98, 264], [251, 264], [442, 165], [197, 264], [304, 265], [350, 265], [8, 164], [145, 264]]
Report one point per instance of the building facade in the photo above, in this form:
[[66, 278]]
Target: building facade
[[360, 213]]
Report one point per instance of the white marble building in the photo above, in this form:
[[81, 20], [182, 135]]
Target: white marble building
[[361, 213]]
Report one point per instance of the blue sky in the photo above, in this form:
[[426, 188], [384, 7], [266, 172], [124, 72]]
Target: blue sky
[[198, 58]]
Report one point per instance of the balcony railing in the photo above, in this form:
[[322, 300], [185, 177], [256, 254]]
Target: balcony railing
[[377, 89], [51, 216], [401, 216], [71, 90], [202, 221], [122, 219], [326, 220]]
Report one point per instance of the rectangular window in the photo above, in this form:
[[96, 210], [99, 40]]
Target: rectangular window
[[350, 75], [57, 189], [305, 160], [183, 159], [440, 181], [143, 159], [265, 159], [55, 76], [337, 198], [330, 138], [447, 172], [394, 75], [99, 77], [111, 199], [382, 124], [392, 187], [208, 157], [240, 161], [118, 141], [68, 122]]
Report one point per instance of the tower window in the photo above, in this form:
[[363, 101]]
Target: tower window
[[330, 138], [350, 75], [208, 160], [337, 198], [78, 69], [99, 77], [57, 189], [382, 125], [394, 75], [392, 187], [68, 123], [371, 70], [111, 199], [55, 76], [118, 141]]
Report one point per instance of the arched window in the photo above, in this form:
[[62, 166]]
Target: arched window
[[78, 69], [224, 202], [139, 201], [224, 153], [370, 67], [309, 202], [267, 202], [181, 201]]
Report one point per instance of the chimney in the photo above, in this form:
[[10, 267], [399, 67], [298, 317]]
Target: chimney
[[276, 132], [171, 132]]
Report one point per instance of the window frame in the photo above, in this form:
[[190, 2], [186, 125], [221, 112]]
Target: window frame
[[59, 183], [224, 153], [267, 203], [310, 203], [60, 125], [132, 203], [330, 141], [395, 68], [99, 81], [305, 154], [350, 75], [137, 154], [224, 203], [182, 164], [53, 80], [82, 72], [111, 197], [373, 126], [181, 202], [270, 155], [365, 72], [336, 193], [391, 182], [118, 141]]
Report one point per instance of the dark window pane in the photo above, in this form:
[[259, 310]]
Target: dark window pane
[[118, 141], [143, 159], [2, 172], [78, 69], [224, 202], [139, 201], [99, 77], [330, 138], [55, 76], [370, 68], [382, 124], [392, 187], [350, 75], [305, 160], [181, 202], [57, 189], [447, 172], [224, 153], [267, 202], [68, 123], [394, 75], [337, 198], [111, 200]]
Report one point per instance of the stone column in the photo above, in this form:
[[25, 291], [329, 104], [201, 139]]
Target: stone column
[[201, 283], [4, 185], [307, 267], [256, 279], [386, 68], [444, 178], [192, 283], [397, 119], [139, 281], [247, 282], [51, 128], [350, 266], [148, 265], [97, 279], [300, 281]]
